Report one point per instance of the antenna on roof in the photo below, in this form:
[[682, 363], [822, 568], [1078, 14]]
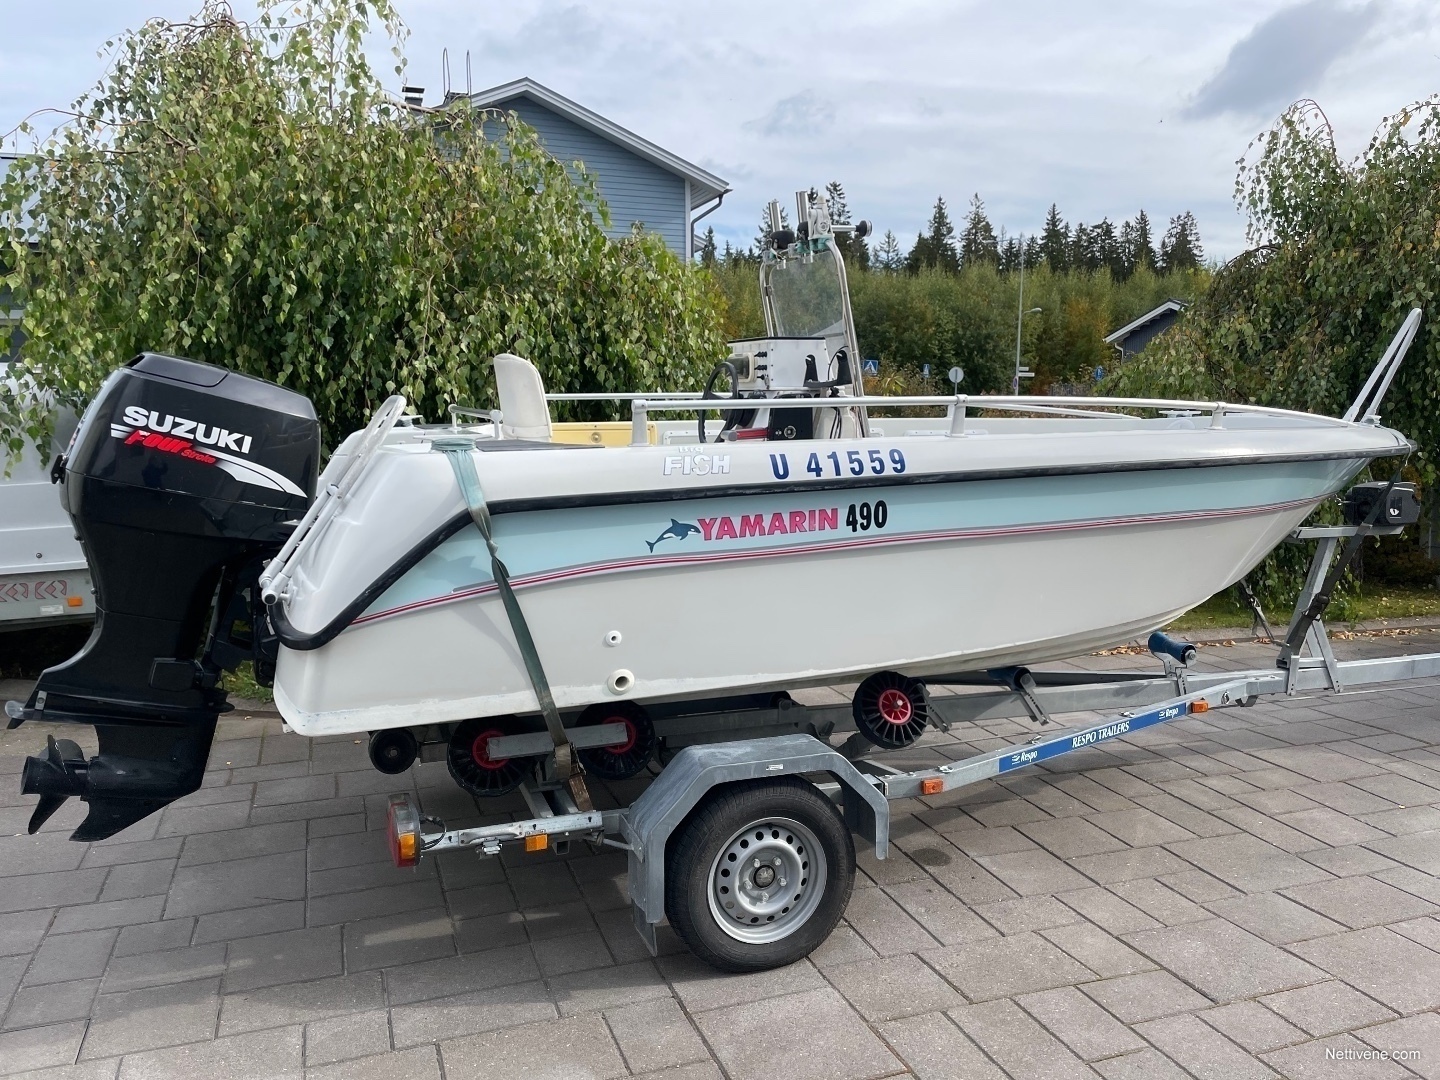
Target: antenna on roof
[[450, 94], [469, 89], [445, 73]]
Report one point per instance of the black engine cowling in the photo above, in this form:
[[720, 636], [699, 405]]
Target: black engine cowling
[[181, 479]]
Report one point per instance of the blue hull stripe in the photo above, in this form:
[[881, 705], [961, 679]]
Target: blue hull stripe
[[550, 545], [615, 566]]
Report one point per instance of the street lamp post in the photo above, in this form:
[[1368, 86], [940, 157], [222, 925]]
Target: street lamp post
[[1020, 314]]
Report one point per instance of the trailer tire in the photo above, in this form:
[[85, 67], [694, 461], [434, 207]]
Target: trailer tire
[[758, 876]]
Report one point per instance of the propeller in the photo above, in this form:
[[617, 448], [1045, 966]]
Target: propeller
[[139, 769], [54, 777]]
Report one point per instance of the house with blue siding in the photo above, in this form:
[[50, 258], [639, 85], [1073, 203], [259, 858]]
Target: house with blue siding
[[639, 181], [1134, 336]]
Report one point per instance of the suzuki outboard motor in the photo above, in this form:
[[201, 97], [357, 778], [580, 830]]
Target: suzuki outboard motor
[[181, 480]]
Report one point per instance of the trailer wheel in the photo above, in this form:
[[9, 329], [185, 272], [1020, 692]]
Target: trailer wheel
[[472, 767], [891, 710], [626, 759], [393, 750], [759, 875]]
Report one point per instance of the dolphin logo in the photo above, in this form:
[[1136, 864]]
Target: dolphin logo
[[677, 530]]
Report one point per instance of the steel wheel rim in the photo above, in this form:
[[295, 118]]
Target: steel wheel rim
[[744, 887]]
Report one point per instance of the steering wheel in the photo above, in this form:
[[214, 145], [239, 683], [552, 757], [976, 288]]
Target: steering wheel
[[731, 416]]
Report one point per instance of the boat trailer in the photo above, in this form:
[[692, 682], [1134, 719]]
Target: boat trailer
[[773, 744]]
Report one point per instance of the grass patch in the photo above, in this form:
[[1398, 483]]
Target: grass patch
[[1377, 601], [241, 683]]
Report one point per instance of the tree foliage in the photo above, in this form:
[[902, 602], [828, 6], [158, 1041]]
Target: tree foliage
[[248, 195], [1137, 244], [1343, 249], [935, 248], [968, 318], [887, 253], [1055, 241], [1180, 249], [978, 242], [1102, 246], [955, 303]]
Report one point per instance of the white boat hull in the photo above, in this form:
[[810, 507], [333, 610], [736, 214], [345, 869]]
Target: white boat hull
[[963, 575]]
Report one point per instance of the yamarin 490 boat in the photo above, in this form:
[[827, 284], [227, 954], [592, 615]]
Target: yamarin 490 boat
[[457, 583]]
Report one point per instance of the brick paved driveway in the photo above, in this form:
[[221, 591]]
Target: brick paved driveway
[[1240, 895]]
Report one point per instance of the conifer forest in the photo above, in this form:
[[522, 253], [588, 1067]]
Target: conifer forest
[[951, 296]]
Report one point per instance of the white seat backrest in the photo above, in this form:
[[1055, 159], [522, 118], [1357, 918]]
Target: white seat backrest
[[522, 399]]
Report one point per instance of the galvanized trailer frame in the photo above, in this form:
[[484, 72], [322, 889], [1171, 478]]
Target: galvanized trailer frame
[[858, 778]]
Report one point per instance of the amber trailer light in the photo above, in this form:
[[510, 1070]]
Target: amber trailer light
[[403, 829]]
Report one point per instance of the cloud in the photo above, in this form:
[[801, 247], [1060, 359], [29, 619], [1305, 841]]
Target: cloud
[[796, 115], [1024, 103], [1282, 58], [556, 32]]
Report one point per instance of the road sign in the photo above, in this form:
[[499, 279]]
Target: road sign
[[957, 376], [1025, 373], [925, 370], [870, 366]]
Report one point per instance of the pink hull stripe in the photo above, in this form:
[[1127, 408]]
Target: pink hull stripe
[[650, 562]]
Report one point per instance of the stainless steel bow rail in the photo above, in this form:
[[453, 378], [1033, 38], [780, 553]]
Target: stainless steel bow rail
[[707, 746], [955, 406]]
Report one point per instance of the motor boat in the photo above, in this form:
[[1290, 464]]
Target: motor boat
[[458, 582]]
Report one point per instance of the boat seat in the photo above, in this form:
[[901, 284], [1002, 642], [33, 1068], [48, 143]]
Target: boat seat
[[524, 410]]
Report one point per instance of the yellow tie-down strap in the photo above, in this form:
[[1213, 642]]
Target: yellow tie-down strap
[[599, 433]]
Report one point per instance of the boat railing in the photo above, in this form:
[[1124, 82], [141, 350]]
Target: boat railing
[[658, 395], [344, 470], [957, 407], [1373, 392]]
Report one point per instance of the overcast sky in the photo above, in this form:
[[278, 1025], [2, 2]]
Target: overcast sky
[[1103, 108]]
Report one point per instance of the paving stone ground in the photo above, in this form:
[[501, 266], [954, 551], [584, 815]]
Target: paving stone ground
[[1248, 893]]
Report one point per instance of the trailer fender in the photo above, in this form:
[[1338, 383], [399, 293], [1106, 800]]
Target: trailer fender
[[697, 770]]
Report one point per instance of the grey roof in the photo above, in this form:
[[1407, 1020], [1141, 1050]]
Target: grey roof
[[704, 185], [1129, 328]]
